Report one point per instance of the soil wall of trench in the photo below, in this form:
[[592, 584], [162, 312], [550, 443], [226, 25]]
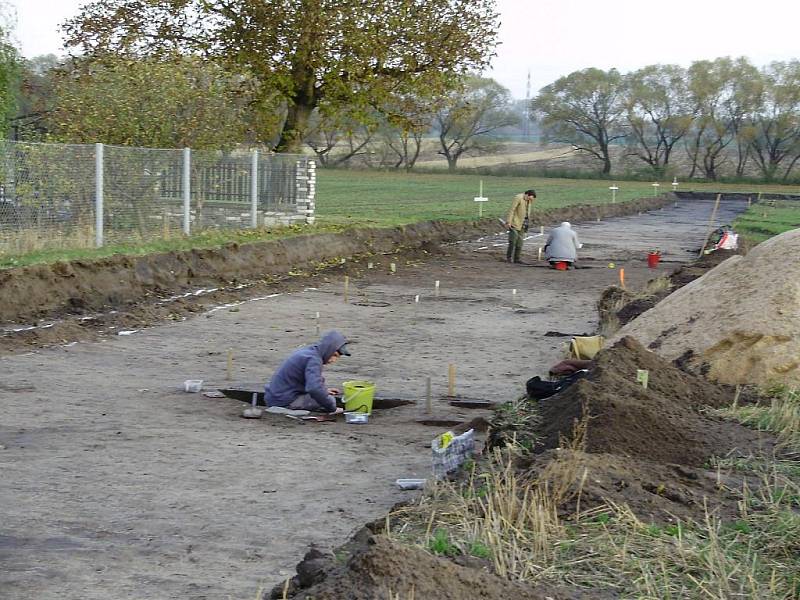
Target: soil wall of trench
[[75, 287]]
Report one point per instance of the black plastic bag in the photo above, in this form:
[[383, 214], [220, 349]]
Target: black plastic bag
[[538, 389]]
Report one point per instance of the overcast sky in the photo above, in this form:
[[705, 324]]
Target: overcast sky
[[552, 38]]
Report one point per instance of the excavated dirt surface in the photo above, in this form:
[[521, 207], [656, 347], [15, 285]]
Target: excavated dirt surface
[[81, 289], [116, 484]]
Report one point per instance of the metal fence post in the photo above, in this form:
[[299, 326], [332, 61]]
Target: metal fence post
[[254, 190], [187, 190], [98, 195]]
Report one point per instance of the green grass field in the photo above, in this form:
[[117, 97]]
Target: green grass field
[[381, 198], [769, 218], [385, 199]]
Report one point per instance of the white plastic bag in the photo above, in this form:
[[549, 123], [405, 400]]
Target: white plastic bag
[[728, 241]]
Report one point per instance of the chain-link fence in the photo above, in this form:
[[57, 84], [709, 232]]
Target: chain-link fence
[[55, 196]]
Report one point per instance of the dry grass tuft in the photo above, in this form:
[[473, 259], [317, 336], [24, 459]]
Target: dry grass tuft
[[781, 416]]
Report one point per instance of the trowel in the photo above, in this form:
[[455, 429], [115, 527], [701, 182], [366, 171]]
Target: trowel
[[252, 411]]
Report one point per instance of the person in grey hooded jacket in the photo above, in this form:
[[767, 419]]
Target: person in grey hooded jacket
[[298, 383], [562, 244]]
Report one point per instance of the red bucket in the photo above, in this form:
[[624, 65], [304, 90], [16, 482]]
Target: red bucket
[[652, 259], [561, 265]]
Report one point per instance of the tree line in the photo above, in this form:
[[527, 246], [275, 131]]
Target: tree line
[[723, 115], [370, 80], [330, 74]]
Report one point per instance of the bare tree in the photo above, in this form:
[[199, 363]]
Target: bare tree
[[658, 111], [776, 126], [469, 115], [722, 100], [338, 137], [584, 109]]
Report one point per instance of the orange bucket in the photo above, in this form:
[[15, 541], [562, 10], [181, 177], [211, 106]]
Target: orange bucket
[[652, 259], [561, 265]]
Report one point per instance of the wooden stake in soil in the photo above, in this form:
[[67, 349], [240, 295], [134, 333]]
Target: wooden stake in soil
[[436, 288], [229, 367], [316, 323], [622, 278], [736, 395], [451, 380], [428, 399], [711, 224], [346, 286], [540, 254], [393, 267]]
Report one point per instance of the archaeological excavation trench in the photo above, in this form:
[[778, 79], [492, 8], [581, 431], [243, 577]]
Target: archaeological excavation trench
[[120, 485]]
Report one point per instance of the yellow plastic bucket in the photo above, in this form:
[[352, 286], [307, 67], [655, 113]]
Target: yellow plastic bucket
[[358, 396]]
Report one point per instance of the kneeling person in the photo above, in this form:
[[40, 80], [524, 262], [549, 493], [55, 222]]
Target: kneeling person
[[562, 245], [298, 383]]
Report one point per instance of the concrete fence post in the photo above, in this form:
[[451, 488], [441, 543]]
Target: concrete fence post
[[187, 190], [98, 195], [254, 190]]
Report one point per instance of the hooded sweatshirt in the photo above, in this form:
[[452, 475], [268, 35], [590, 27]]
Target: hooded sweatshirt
[[301, 373], [562, 244]]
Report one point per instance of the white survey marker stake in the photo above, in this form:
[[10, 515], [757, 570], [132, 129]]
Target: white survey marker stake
[[480, 199]]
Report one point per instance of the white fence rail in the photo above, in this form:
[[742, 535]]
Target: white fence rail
[[58, 196]]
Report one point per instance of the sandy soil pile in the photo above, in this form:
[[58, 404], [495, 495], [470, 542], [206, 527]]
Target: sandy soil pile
[[663, 423], [740, 321]]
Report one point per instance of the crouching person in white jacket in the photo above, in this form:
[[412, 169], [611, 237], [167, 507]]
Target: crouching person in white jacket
[[562, 245]]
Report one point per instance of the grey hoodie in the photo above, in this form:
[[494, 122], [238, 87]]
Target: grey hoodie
[[301, 373]]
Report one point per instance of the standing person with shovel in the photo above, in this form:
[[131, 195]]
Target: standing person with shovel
[[298, 383], [517, 224]]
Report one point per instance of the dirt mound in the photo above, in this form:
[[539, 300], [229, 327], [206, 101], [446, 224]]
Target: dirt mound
[[740, 321], [382, 569], [662, 423]]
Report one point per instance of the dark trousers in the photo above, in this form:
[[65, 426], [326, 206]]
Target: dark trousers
[[306, 402], [515, 239]]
